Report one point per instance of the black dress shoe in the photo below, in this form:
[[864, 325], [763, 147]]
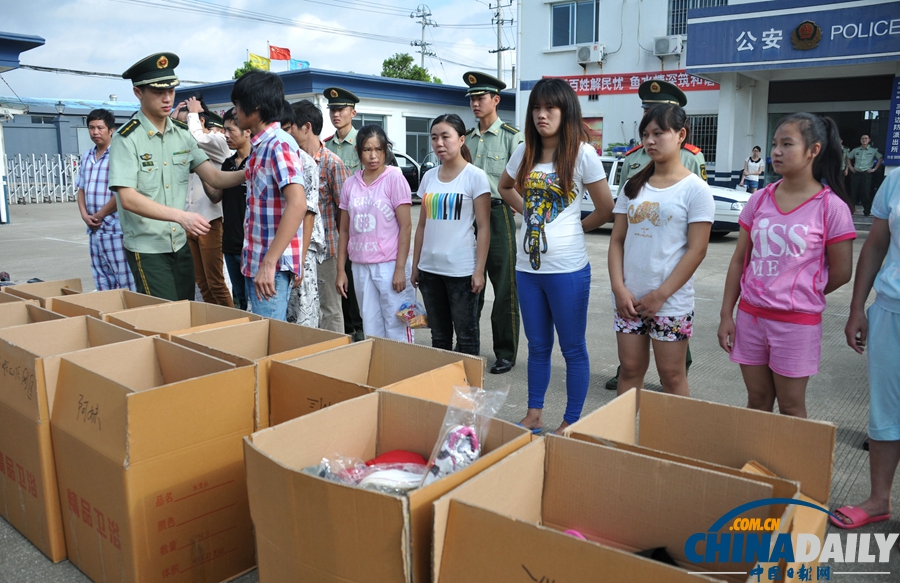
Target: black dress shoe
[[502, 365]]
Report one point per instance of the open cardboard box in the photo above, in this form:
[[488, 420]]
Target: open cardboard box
[[29, 364], [177, 318], [97, 304], [25, 312], [150, 464], [311, 529], [258, 344], [796, 449], [10, 298], [509, 521], [43, 290], [304, 385]]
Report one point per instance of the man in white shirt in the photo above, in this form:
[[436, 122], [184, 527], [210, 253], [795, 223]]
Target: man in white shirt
[[209, 271]]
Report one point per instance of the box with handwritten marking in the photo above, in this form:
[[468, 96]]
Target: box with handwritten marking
[[29, 362], [147, 439]]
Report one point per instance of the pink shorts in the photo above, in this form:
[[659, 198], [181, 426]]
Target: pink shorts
[[791, 350]]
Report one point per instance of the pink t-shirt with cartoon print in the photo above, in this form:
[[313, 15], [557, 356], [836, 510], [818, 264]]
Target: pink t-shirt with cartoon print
[[786, 272]]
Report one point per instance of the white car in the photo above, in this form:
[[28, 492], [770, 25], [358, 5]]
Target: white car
[[729, 202]]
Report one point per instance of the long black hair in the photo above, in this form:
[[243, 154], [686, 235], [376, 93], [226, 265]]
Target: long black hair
[[817, 129], [457, 124], [667, 116]]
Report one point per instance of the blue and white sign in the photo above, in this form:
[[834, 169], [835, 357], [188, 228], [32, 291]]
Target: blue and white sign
[[892, 147], [793, 33]]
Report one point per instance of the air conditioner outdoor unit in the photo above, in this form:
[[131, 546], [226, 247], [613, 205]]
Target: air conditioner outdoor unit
[[664, 46], [587, 54]]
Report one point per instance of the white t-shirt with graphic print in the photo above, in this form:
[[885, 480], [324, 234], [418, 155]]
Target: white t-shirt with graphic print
[[657, 237], [448, 247], [552, 240]]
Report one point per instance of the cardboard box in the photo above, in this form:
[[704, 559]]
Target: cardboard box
[[301, 386], [25, 312], [9, 299], [150, 465], [616, 499], [311, 529], [800, 450], [258, 344], [178, 318], [29, 363], [97, 304], [42, 290]]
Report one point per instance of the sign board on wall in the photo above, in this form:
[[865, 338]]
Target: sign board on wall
[[793, 33], [892, 147], [622, 83], [594, 127]]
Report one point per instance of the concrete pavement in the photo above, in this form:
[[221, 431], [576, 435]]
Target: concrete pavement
[[49, 241]]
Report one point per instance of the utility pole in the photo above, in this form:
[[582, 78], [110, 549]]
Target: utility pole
[[422, 13], [499, 21]]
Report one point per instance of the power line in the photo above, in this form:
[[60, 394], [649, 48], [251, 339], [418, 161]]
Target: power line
[[421, 15], [89, 73]]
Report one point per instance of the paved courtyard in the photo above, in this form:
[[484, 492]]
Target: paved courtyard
[[48, 241]]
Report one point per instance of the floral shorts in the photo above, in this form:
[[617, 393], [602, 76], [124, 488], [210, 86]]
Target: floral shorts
[[665, 328]]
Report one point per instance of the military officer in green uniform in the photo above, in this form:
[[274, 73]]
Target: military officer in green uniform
[[150, 160], [342, 109], [492, 142], [862, 163], [653, 92]]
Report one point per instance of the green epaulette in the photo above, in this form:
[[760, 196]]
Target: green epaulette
[[179, 123], [470, 130], [129, 127], [510, 129]]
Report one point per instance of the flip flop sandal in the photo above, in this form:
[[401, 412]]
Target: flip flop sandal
[[857, 516]]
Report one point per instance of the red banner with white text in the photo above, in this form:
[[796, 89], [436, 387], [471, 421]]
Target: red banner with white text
[[621, 83]]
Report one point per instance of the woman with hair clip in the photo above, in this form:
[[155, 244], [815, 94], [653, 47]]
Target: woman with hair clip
[[449, 259], [795, 246], [545, 180], [374, 233], [659, 239]]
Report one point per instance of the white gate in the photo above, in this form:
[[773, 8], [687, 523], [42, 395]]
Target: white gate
[[36, 178]]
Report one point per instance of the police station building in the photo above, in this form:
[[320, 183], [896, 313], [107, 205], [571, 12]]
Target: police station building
[[742, 64]]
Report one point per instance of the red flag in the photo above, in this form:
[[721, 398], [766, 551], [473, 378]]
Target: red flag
[[279, 54]]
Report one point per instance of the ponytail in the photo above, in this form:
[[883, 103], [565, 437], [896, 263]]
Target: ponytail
[[465, 153], [636, 183], [827, 164]]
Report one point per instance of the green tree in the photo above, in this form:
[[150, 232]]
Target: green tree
[[401, 66], [245, 68]]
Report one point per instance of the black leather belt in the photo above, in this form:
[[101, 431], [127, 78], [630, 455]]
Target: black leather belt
[[496, 202]]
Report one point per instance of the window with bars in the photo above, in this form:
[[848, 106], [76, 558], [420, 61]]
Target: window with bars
[[363, 119], [678, 12], [418, 137], [704, 129], [573, 23]]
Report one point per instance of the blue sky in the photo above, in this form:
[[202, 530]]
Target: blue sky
[[110, 35]]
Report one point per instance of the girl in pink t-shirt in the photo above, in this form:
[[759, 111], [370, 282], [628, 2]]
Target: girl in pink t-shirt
[[374, 232], [795, 246]]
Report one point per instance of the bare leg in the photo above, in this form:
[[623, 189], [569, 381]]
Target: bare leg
[[634, 356], [791, 394], [534, 419], [670, 357], [883, 459], [760, 387]]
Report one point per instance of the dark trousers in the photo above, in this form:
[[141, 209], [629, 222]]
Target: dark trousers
[[501, 270], [163, 275], [353, 324], [238, 285], [451, 305], [861, 190]]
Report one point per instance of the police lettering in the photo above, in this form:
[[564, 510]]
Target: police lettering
[[863, 30]]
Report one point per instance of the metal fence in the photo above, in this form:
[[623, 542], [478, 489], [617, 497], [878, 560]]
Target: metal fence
[[34, 178]]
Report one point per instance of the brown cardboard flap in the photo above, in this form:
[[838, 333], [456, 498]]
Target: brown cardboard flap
[[178, 317], [21, 313], [485, 546], [615, 421], [647, 502], [99, 303], [524, 469], [781, 443], [42, 290], [351, 363], [435, 385], [388, 354], [294, 392], [10, 298]]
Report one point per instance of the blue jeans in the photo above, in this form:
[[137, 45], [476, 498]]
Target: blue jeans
[[238, 287], [451, 305], [275, 307], [557, 300]]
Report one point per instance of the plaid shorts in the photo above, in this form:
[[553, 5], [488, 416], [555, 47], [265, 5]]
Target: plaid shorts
[[665, 328]]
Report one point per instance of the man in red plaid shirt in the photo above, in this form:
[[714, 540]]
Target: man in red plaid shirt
[[276, 202]]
